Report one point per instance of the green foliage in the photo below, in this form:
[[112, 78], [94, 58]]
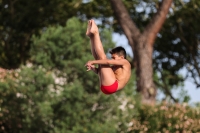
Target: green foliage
[[176, 49], [67, 49], [166, 117], [177, 45], [53, 92], [20, 19], [24, 101], [38, 102], [167, 83]]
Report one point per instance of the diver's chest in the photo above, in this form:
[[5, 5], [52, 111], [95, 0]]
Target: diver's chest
[[117, 69]]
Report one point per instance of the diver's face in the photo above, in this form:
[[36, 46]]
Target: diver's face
[[116, 57]]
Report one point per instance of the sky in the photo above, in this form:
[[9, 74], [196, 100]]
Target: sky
[[191, 89]]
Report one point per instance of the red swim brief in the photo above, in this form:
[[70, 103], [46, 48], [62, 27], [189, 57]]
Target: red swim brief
[[110, 89]]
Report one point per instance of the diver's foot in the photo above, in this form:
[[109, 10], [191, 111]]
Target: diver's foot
[[92, 28]]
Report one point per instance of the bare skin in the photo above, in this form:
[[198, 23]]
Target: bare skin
[[109, 70]]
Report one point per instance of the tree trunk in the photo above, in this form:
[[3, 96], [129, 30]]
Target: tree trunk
[[144, 70], [142, 45]]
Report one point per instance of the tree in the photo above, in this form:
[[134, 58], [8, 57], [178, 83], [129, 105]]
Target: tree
[[181, 33], [142, 45], [20, 19], [15, 38], [53, 92]]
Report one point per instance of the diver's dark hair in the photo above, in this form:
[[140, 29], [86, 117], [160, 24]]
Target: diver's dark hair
[[120, 51]]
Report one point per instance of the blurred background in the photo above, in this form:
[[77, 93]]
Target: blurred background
[[45, 88]]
